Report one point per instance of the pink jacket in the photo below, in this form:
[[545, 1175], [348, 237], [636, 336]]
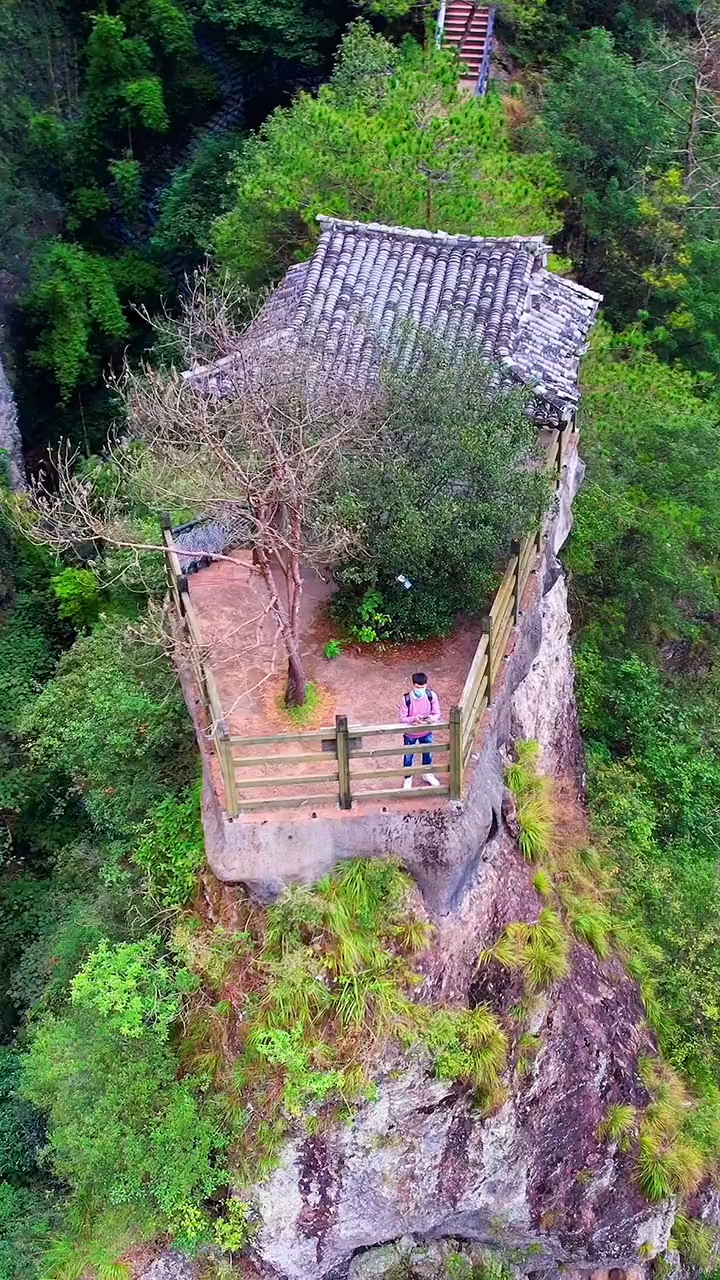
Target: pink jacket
[[419, 707]]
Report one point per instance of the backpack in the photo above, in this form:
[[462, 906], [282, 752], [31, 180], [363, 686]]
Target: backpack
[[430, 696]]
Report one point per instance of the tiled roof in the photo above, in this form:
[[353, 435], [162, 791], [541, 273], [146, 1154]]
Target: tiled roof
[[367, 286]]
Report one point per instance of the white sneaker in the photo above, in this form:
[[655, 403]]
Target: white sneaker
[[407, 783], [431, 780]]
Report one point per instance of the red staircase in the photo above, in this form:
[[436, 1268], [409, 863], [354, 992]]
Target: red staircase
[[468, 28]]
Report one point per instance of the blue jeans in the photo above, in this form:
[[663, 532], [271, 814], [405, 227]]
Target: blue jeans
[[410, 740]]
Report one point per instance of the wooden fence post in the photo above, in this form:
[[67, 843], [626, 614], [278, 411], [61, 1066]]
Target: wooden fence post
[[342, 745], [558, 478], [227, 768], [456, 752], [515, 549], [183, 589], [487, 626]]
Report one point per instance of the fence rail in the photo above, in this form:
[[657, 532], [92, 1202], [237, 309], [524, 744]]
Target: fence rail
[[335, 759]]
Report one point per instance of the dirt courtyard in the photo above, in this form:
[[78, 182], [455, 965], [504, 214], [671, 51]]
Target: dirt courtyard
[[248, 661]]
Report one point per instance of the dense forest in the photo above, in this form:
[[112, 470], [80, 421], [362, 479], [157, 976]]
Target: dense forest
[[138, 143]]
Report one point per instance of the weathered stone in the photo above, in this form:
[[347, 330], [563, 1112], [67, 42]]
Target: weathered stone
[[10, 441], [532, 1178], [170, 1266]]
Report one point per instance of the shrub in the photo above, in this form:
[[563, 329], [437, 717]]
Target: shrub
[[535, 822], [444, 428], [78, 596], [122, 1129], [590, 922], [696, 1242], [543, 883], [172, 849], [133, 988], [534, 808], [113, 721]]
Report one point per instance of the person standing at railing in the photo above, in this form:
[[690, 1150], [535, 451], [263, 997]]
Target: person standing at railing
[[420, 707]]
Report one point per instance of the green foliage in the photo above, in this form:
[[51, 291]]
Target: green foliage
[[73, 302], [470, 1046], [198, 194], [542, 883], [93, 1242], [590, 922], [535, 822], [445, 431], [78, 596], [390, 136], [538, 951], [372, 623], [534, 808], [648, 527], [234, 1231], [619, 1126], [304, 712], [606, 126], [171, 848], [20, 1129], [113, 721], [146, 103], [333, 649], [287, 29], [126, 175], [696, 1242], [132, 988], [122, 1129], [644, 586]]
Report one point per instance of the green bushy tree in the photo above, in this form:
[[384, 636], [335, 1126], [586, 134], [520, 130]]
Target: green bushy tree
[[450, 490], [122, 1129], [114, 722], [644, 589], [389, 139]]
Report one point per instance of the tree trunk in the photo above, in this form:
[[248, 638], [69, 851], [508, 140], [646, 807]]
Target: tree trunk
[[296, 683]]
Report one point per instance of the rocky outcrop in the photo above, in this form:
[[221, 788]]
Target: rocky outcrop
[[442, 847], [420, 1172], [10, 441]]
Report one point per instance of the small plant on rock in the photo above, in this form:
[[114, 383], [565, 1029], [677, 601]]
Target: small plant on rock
[[618, 1126], [538, 951], [469, 1045], [534, 810], [590, 922], [669, 1162], [696, 1242]]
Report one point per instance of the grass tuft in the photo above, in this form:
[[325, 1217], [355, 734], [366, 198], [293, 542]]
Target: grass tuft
[[619, 1126], [543, 883], [539, 951], [696, 1242]]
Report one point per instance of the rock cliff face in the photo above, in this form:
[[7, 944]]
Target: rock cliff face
[[420, 1172], [420, 1167], [10, 441]]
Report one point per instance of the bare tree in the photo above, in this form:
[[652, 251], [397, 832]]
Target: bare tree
[[256, 442], [689, 81]]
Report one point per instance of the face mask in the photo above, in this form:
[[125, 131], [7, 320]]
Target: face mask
[[419, 693]]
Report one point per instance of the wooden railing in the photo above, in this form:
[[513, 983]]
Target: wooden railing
[[318, 767]]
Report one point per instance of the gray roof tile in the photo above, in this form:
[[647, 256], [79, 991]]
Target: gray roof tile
[[365, 282]]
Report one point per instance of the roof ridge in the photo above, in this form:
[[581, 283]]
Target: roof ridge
[[573, 284], [329, 222]]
